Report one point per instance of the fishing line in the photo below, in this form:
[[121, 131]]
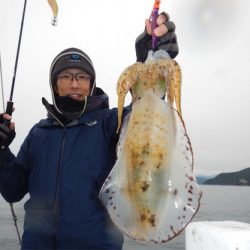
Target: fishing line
[[14, 217]]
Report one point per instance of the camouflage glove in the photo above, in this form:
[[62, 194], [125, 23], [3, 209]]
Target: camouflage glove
[[167, 42]]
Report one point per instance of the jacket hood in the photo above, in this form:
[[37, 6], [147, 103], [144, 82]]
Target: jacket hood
[[70, 58]]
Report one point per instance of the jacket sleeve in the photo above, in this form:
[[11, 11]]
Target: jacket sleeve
[[112, 123], [14, 174]]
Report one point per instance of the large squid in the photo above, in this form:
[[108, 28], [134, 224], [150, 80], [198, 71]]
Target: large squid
[[151, 193]]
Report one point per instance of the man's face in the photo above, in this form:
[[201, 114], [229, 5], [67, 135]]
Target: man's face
[[74, 83]]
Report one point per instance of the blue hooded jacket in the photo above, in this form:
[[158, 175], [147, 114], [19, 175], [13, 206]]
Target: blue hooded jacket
[[63, 168]]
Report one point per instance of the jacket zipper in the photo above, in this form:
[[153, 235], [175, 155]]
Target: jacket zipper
[[58, 174], [59, 164]]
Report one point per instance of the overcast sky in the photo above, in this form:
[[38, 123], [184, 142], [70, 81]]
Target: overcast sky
[[214, 40]]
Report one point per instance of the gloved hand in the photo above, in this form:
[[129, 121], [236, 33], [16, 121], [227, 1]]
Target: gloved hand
[[7, 134], [166, 34]]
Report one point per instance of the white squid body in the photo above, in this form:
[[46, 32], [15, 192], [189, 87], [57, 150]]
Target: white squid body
[[151, 193]]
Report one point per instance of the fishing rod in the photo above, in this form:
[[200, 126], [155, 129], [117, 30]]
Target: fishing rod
[[54, 7], [9, 107]]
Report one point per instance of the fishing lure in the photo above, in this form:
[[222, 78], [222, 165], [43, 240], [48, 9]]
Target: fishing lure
[[54, 7], [151, 193], [153, 18]]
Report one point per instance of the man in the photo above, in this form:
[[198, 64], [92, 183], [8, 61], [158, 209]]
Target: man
[[66, 157]]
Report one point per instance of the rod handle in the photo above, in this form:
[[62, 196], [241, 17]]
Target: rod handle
[[9, 110]]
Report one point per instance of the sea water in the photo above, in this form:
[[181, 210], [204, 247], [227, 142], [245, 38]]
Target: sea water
[[218, 203]]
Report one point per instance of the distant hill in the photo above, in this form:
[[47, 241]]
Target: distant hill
[[203, 178], [239, 178]]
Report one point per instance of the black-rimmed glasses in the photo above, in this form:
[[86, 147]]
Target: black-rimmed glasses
[[79, 77]]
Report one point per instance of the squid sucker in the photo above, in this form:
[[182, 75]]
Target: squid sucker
[[151, 194]]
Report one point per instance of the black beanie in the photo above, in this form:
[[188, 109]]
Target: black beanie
[[71, 58]]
